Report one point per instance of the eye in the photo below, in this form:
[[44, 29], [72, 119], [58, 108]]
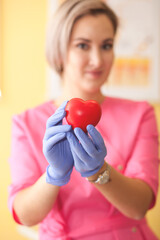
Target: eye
[[107, 46], [83, 46]]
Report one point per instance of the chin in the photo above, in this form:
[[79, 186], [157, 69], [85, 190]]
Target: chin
[[92, 90]]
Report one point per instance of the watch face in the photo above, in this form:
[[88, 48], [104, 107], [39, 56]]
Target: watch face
[[103, 178]]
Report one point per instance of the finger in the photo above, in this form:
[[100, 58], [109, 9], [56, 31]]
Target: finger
[[96, 137], [86, 142], [77, 160], [48, 144], [76, 146], [55, 119], [62, 106], [51, 131]]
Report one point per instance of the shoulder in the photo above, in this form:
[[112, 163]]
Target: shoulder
[[121, 114], [34, 116], [127, 107]]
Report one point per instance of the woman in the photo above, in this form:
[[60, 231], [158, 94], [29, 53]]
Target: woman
[[60, 187]]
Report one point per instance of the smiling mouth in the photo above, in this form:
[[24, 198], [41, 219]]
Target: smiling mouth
[[94, 73]]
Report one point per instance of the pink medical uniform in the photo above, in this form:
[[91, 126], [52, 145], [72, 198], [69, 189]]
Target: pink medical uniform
[[80, 211]]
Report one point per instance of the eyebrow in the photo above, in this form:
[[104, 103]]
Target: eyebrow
[[87, 40]]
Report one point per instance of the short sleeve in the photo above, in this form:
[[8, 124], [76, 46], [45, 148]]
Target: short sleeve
[[23, 165], [143, 163]]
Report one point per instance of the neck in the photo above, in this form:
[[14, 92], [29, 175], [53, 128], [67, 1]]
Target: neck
[[69, 92]]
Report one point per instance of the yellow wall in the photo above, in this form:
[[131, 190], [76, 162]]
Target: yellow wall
[[23, 81], [23, 86]]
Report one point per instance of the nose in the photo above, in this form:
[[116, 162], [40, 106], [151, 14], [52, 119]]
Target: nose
[[96, 58]]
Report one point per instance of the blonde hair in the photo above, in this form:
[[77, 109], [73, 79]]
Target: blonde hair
[[60, 27]]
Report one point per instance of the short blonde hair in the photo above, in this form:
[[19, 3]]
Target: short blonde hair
[[60, 27]]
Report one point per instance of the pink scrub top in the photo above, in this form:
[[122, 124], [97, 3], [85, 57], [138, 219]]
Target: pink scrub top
[[81, 212]]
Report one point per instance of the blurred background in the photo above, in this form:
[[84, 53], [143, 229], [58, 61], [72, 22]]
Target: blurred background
[[26, 81]]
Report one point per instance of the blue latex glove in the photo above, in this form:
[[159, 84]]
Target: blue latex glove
[[56, 149], [88, 151]]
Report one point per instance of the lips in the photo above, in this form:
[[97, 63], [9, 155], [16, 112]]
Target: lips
[[94, 74]]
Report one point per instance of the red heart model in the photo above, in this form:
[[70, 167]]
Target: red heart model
[[80, 113]]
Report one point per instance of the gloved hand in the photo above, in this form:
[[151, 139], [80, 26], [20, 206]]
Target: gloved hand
[[56, 149], [88, 151]]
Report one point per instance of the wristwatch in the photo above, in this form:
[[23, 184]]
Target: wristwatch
[[104, 177]]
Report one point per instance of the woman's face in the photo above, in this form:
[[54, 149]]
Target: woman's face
[[90, 53]]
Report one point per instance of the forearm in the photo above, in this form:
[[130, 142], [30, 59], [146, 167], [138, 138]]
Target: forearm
[[130, 196], [34, 203]]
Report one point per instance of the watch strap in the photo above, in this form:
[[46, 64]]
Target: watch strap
[[103, 177]]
